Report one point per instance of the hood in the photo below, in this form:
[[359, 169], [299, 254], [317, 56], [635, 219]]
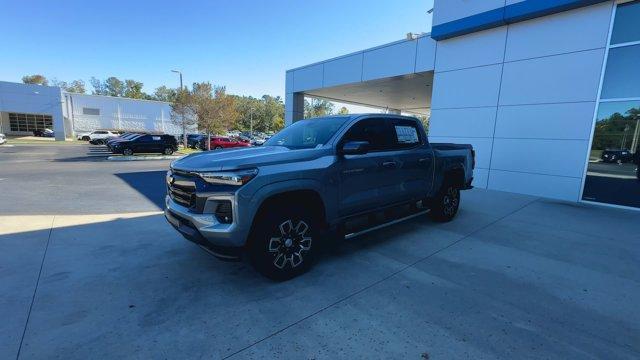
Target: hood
[[245, 157]]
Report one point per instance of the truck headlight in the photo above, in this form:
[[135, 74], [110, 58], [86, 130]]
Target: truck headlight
[[235, 177]]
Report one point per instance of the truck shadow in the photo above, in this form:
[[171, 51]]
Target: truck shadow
[[150, 184]]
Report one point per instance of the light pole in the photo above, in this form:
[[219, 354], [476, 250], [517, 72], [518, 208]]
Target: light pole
[[184, 126], [251, 123], [179, 72]]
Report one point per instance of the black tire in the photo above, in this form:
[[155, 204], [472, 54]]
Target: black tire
[[444, 206], [127, 152], [168, 151], [284, 241], [86, 138], [217, 147]]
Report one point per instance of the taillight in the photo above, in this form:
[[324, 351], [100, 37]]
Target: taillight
[[473, 159]]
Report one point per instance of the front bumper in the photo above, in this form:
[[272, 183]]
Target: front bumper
[[225, 241]]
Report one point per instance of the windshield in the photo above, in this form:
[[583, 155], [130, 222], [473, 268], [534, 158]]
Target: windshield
[[307, 134]]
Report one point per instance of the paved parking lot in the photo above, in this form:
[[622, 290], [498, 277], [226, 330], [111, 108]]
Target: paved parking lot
[[90, 269]]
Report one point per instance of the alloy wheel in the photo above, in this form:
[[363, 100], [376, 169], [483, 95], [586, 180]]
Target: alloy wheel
[[291, 245], [451, 200]]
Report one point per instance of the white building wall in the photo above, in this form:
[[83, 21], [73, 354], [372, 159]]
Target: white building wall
[[118, 113], [524, 95], [32, 99], [395, 59]]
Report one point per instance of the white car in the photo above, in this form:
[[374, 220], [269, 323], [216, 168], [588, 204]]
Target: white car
[[3, 139], [98, 134]]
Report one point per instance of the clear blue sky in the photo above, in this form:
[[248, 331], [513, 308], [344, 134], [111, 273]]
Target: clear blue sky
[[245, 45]]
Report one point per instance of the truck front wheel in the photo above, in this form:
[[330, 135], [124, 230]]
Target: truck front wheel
[[445, 204], [282, 242]]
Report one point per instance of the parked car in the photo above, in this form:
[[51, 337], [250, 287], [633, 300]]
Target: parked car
[[257, 141], [123, 137], [3, 139], [223, 142], [98, 135], [616, 155], [193, 140], [44, 133], [148, 143], [315, 180]]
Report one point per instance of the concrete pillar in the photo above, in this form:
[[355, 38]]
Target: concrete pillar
[[58, 117], [293, 102]]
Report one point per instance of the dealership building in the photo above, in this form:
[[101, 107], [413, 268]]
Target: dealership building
[[547, 92], [26, 107]]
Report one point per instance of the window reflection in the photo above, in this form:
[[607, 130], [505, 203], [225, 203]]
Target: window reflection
[[612, 174], [621, 77], [626, 27]]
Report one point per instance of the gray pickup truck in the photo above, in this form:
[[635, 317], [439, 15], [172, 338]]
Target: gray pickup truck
[[315, 181]]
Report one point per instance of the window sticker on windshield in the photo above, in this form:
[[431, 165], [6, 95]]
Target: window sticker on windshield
[[406, 134]]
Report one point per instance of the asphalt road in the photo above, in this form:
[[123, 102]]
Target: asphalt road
[[77, 179], [89, 268]]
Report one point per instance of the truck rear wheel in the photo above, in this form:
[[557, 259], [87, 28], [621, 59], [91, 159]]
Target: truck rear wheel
[[445, 204], [282, 243]]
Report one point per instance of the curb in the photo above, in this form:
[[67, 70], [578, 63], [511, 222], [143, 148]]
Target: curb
[[143, 157]]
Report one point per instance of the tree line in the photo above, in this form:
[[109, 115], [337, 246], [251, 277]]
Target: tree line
[[111, 86], [213, 111], [205, 106], [610, 132]]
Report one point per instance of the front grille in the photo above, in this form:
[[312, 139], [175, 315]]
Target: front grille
[[182, 188]]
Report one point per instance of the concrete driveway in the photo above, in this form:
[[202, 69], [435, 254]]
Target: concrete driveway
[[90, 269]]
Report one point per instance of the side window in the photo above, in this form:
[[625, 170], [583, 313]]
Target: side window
[[375, 131], [144, 138], [406, 133]]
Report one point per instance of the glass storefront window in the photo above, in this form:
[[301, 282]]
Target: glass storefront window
[[622, 74], [612, 174], [613, 170], [626, 28]]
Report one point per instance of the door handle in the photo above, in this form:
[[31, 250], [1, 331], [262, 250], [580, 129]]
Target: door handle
[[389, 164]]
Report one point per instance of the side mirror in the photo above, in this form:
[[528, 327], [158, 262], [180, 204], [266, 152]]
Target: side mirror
[[355, 148]]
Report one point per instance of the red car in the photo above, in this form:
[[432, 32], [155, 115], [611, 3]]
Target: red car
[[221, 142]]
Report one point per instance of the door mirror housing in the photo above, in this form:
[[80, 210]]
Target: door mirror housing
[[355, 148]]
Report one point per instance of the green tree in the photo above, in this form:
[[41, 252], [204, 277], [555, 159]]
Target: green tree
[[214, 108], [98, 86], [114, 86], [133, 89], [343, 111], [183, 112], [164, 93], [76, 86], [317, 107], [36, 79], [260, 115]]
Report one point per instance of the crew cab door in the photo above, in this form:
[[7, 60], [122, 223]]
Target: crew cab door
[[415, 159], [369, 180]]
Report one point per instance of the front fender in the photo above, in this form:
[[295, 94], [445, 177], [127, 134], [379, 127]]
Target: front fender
[[280, 187]]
